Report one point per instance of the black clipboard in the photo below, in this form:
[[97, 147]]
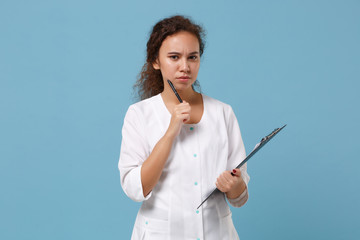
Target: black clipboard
[[258, 146]]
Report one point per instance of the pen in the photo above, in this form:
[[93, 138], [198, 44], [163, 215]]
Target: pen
[[176, 93], [180, 100]]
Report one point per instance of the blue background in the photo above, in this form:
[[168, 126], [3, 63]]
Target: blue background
[[66, 75]]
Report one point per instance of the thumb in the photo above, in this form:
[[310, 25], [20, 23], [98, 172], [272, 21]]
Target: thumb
[[236, 172]]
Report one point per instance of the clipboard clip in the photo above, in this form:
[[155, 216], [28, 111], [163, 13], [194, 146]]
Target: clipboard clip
[[273, 133]]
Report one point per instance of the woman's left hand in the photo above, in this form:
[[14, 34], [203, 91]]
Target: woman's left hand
[[232, 185]]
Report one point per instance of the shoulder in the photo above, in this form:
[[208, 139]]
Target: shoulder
[[139, 111], [144, 105], [215, 103], [220, 110]]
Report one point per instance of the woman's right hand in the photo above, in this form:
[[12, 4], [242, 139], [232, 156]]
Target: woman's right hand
[[180, 115]]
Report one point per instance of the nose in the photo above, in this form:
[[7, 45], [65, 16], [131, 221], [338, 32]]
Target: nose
[[184, 66]]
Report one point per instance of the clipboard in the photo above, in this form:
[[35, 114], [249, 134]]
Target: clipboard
[[258, 146]]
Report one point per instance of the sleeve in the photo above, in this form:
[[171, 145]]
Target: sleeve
[[134, 151], [236, 153]]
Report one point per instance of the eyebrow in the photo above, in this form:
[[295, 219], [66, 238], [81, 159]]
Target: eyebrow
[[195, 52]]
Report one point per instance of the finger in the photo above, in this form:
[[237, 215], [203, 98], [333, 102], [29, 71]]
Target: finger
[[225, 180], [236, 172], [220, 186], [229, 178], [223, 174], [182, 104], [182, 109], [186, 118], [185, 109], [223, 184]]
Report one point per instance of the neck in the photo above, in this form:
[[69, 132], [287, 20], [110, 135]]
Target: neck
[[187, 95]]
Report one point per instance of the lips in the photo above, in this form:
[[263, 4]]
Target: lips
[[183, 78]]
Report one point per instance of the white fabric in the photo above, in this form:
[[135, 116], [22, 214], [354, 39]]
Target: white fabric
[[199, 155]]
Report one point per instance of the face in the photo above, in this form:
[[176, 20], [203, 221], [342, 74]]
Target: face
[[179, 60]]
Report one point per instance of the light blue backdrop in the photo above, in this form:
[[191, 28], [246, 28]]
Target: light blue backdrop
[[67, 69]]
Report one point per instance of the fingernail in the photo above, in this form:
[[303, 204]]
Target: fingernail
[[234, 171]]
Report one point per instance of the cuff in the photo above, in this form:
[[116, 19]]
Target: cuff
[[133, 187], [241, 200], [140, 186]]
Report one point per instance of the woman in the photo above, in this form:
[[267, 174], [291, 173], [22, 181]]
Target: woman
[[174, 154]]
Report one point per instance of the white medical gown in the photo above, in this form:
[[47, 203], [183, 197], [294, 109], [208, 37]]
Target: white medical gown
[[200, 153]]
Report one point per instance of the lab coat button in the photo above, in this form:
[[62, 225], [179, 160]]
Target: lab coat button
[[195, 183], [195, 155], [191, 128], [146, 222], [197, 211]]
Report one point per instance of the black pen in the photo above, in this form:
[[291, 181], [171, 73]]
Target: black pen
[[176, 93]]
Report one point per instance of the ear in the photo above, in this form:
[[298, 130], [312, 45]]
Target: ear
[[156, 64]]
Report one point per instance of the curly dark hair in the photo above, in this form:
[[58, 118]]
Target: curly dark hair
[[150, 82]]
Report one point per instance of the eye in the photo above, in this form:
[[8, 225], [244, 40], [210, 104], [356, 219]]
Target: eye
[[194, 57], [174, 57]]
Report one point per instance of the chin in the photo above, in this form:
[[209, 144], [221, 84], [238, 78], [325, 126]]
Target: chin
[[183, 86]]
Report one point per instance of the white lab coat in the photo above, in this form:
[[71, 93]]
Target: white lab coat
[[199, 155]]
